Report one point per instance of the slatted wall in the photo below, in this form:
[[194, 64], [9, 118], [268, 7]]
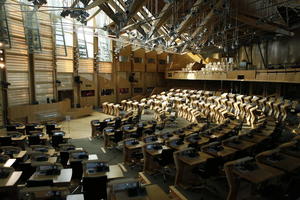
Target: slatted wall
[[64, 68], [17, 58], [86, 68], [43, 61]]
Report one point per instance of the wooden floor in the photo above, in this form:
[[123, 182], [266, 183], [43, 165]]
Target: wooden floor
[[81, 128]]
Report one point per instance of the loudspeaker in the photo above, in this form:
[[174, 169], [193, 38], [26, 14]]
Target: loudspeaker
[[77, 79]]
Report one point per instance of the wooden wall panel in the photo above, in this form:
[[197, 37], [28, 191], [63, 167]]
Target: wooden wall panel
[[123, 84], [139, 67], [162, 57], [86, 66], [151, 56], [106, 81], [105, 67], [124, 66], [66, 80], [16, 58]]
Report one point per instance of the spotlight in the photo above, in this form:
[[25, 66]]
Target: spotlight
[[2, 65], [1, 44], [38, 3]]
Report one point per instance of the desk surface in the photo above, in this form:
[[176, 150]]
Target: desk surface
[[136, 146], [227, 151], [259, 175], [286, 163], [155, 152], [10, 180], [114, 172], [195, 160], [75, 197], [242, 145], [8, 163], [154, 192], [50, 160], [64, 177], [253, 138], [291, 151], [21, 138], [20, 155]]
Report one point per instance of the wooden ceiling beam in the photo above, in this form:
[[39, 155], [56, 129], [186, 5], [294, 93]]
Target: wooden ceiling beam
[[190, 18], [138, 27], [94, 4], [109, 12], [164, 15], [264, 26], [203, 23], [134, 7]]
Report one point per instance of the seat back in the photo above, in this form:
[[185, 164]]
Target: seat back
[[95, 187], [11, 128], [5, 141], [34, 140], [118, 136], [50, 128], [29, 127], [167, 157], [57, 140]]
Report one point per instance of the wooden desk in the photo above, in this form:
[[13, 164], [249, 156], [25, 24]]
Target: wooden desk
[[10, 181], [63, 179], [114, 172], [173, 145], [150, 165], [75, 197], [240, 145], [185, 164], [20, 155], [128, 150], [253, 138], [291, 151], [153, 192], [18, 139], [224, 153], [8, 163], [257, 174], [50, 160], [286, 163]]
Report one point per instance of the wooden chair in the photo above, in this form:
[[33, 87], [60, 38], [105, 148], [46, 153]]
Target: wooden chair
[[105, 107]]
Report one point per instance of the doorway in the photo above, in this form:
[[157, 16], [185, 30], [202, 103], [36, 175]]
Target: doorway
[[66, 94]]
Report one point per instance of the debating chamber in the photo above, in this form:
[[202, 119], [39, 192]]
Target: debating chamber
[[149, 99]]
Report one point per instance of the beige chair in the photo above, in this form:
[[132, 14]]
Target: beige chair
[[110, 108], [117, 109], [105, 107], [124, 104], [129, 105], [283, 108], [269, 105], [262, 104]]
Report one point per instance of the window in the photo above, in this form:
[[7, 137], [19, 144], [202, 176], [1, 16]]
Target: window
[[107, 92], [151, 60], [123, 58], [104, 43], [162, 62], [137, 60], [137, 90], [123, 90], [31, 25]]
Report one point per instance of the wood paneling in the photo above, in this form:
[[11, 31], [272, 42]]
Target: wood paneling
[[140, 66], [105, 67], [86, 66], [151, 67]]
